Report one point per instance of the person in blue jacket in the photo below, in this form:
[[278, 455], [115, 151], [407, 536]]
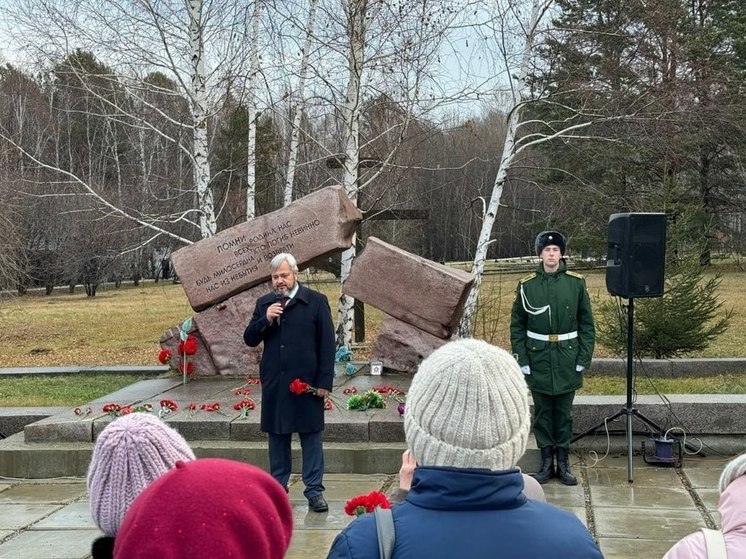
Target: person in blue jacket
[[295, 324], [467, 423]]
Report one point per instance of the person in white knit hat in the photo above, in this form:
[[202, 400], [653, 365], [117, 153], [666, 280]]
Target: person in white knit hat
[[730, 540], [467, 422]]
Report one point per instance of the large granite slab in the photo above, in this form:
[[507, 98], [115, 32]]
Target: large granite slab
[[221, 328], [425, 294], [401, 346], [236, 259]]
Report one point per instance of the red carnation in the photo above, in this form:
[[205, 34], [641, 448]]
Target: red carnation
[[189, 368], [189, 347], [298, 387], [164, 357], [361, 504]]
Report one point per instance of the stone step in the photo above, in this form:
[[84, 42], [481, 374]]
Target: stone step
[[19, 459]]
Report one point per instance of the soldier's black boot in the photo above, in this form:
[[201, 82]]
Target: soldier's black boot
[[546, 471], [563, 468]]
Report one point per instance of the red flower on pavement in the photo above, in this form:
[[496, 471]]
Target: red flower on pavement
[[126, 410], [167, 407], [350, 390], [164, 356], [361, 504], [244, 406]]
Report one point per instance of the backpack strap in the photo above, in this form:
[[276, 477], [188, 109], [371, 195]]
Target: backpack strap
[[715, 544], [386, 535]]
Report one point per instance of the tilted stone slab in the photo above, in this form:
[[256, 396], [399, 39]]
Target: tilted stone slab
[[221, 328], [401, 346], [425, 294], [235, 259]]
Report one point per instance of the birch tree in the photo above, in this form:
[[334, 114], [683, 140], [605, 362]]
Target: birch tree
[[520, 96]]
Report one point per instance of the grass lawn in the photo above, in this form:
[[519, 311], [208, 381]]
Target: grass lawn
[[123, 326]]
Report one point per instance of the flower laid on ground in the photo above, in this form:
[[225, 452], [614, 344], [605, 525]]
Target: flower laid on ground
[[213, 407], [167, 407], [244, 389], [117, 410], [387, 390], [328, 405], [350, 390], [245, 406], [365, 401], [401, 408], [358, 506], [82, 414]]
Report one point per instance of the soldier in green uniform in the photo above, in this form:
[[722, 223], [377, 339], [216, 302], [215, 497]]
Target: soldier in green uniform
[[552, 337]]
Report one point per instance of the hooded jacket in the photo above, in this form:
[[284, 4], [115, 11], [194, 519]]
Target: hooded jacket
[[455, 512]]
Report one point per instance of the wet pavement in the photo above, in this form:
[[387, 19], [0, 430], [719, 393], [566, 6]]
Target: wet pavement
[[50, 519]]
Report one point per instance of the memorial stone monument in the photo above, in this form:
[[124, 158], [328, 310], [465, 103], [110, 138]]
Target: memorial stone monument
[[224, 275]]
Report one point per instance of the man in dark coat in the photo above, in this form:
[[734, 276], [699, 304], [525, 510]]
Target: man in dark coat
[[552, 336], [295, 324]]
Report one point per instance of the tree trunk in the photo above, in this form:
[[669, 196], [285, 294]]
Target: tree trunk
[[200, 161], [251, 110], [520, 95], [299, 106], [357, 32]]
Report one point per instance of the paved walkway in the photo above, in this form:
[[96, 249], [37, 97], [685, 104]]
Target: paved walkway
[[50, 519]]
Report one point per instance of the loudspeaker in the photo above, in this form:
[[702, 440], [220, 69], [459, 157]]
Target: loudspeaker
[[635, 260]]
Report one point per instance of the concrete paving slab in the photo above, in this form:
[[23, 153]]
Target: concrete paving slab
[[50, 544], [16, 516], [710, 497], [624, 548], [641, 496], [75, 516], [704, 474], [309, 544], [43, 493], [334, 519], [563, 495], [621, 522]]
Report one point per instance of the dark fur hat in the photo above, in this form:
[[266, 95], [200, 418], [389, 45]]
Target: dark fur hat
[[546, 238]]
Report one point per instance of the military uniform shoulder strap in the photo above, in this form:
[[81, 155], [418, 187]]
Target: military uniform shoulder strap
[[575, 274], [527, 278]]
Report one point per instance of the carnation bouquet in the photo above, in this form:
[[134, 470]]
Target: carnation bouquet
[[358, 506]]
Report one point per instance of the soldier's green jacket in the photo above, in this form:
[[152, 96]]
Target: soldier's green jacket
[[555, 303]]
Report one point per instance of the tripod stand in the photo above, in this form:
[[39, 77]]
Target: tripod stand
[[628, 411]]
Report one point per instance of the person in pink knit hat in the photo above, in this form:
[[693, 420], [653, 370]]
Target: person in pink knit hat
[[211, 507], [730, 541], [130, 453]]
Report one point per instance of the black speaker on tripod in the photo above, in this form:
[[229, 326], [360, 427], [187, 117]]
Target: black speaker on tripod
[[635, 261]]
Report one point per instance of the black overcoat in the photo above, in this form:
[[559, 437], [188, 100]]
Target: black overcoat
[[298, 345]]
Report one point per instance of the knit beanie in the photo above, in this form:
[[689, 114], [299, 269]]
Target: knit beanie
[[546, 238], [130, 453], [467, 407], [211, 507], [732, 471]]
